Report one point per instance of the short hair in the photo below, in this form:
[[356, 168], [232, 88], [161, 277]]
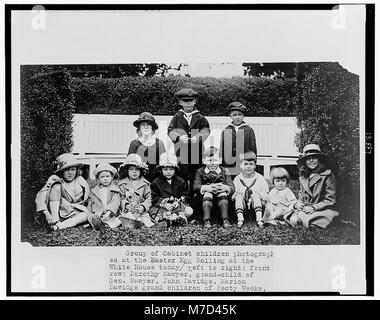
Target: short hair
[[123, 171], [248, 156], [279, 173], [211, 151]]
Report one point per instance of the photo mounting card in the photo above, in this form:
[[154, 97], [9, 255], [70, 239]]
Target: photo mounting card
[[80, 83]]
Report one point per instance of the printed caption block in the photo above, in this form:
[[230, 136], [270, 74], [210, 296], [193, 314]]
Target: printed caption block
[[190, 270]]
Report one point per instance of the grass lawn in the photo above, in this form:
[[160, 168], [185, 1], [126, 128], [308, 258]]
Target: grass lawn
[[194, 235]]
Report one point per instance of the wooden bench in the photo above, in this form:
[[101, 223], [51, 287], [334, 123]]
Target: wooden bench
[[101, 138]]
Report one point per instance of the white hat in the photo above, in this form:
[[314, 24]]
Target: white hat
[[104, 167], [65, 161], [168, 160], [134, 159]]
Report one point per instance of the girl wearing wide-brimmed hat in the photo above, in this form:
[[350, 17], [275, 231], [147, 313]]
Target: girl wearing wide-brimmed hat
[[146, 145], [317, 196], [104, 201], [135, 193], [63, 198], [170, 193]]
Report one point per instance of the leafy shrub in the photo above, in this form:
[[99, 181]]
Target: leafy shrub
[[46, 132], [328, 114], [133, 95]]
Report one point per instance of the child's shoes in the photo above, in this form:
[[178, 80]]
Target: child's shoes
[[207, 224], [240, 223], [260, 223], [226, 223], [97, 223]]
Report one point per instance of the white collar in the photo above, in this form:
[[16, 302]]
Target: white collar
[[188, 114], [149, 142], [218, 170], [237, 127]]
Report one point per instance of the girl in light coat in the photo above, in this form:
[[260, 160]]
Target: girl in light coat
[[317, 196], [104, 202], [135, 193], [64, 197]]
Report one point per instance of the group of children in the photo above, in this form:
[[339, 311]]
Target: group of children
[[215, 176]]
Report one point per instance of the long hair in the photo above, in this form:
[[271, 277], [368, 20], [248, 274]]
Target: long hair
[[305, 172]]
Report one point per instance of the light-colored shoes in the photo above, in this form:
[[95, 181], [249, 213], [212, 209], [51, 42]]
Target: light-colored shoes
[[240, 223], [226, 223], [207, 224]]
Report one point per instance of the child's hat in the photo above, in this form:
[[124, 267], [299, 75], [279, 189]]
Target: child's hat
[[65, 161], [134, 159], [146, 117], [104, 167], [186, 94], [311, 150], [237, 106], [168, 160]]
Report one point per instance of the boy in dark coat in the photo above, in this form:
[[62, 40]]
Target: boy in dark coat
[[237, 138], [188, 130], [213, 183], [170, 193]]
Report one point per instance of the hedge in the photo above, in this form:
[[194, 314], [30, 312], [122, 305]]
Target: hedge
[[325, 100], [46, 114], [328, 114], [133, 95]]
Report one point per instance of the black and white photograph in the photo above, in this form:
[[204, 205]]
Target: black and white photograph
[[189, 150]]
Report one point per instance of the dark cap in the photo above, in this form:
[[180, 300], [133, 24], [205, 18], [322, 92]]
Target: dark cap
[[146, 117], [237, 106], [186, 94]]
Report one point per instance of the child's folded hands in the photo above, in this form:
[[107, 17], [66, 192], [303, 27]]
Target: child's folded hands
[[106, 216], [184, 138], [194, 139], [308, 209], [222, 188], [299, 206], [208, 188]]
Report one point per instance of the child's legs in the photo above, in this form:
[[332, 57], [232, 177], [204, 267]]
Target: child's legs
[[239, 207], [223, 204], [188, 211], [257, 206], [207, 205], [54, 201], [272, 212], [78, 218], [145, 219]]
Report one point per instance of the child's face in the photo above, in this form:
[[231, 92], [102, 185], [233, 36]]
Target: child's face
[[168, 172], [187, 105], [105, 178], [237, 117], [312, 163], [133, 173], [69, 174], [248, 167], [212, 163], [146, 128], [279, 183]]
